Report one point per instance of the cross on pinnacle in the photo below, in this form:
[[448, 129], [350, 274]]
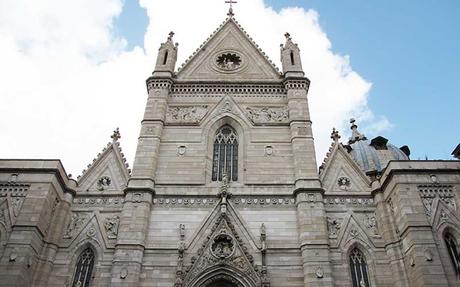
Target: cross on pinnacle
[[230, 10]]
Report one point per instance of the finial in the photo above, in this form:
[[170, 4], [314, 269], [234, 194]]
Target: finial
[[335, 135], [288, 36], [355, 134], [116, 135], [171, 35], [230, 9]]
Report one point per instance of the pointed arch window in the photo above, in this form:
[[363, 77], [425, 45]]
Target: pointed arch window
[[453, 249], [225, 154], [359, 269], [84, 269]]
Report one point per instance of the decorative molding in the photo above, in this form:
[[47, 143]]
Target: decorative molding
[[354, 201], [237, 200], [428, 192], [263, 115], [14, 189], [99, 201], [179, 89], [158, 84], [301, 84], [186, 114], [103, 183]]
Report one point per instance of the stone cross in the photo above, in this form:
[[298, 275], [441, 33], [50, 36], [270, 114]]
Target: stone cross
[[230, 10]]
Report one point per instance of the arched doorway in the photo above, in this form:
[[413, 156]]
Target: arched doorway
[[221, 283]]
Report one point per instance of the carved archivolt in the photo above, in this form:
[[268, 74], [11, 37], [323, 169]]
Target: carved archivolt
[[268, 114], [222, 257], [185, 114]]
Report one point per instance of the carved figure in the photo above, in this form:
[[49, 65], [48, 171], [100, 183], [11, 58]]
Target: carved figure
[[111, 226], [268, 114], [333, 226], [223, 245], [184, 114], [74, 224]]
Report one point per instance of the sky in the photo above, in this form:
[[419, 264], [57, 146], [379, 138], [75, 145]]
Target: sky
[[73, 71]]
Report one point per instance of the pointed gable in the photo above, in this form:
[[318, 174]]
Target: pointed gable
[[341, 173], [108, 173], [229, 54]]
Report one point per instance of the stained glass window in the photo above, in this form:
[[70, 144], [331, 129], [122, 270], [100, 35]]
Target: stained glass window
[[225, 154], [359, 270], [84, 268], [452, 248]]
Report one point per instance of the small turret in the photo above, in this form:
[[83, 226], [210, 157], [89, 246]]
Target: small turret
[[167, 57], [290, 58]]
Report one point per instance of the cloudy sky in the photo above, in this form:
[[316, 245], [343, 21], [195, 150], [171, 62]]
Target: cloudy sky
[[72, 71]]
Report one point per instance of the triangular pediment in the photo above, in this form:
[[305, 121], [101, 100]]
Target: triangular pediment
[[108, 173], [342, 173], [246, 62]]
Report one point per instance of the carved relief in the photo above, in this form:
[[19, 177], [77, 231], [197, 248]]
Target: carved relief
[[371, 223], [76, 222], [333, 226], [103, 183], [268, 114], [344, 183], [186, 114], [111, 226], [222, 245]]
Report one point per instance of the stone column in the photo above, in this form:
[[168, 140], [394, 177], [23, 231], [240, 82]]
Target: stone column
[[311, 216], [135, 216]]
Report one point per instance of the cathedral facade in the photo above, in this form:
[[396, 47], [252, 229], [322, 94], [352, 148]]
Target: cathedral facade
[[225, 191]]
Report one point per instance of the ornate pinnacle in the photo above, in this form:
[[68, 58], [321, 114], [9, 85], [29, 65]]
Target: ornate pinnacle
[[355, 134], [335, 135], [116, 135]]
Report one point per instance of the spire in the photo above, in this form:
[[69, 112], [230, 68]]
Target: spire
[[355, 134], [335, 135]]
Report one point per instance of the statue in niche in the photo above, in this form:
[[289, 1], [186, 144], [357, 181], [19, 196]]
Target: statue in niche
[[74, 224]]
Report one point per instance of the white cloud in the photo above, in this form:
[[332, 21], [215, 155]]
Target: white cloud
[[67, 80]]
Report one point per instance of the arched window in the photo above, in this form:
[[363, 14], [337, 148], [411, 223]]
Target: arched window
[[84, 268], [225, 154], [358, 267], [452, 248]]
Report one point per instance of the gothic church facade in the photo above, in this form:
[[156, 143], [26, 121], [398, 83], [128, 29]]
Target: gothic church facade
[[225, 191]]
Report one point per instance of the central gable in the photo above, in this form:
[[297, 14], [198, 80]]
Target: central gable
[[228, 55]]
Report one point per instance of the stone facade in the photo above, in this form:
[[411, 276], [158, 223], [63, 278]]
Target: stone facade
[[281, 223]]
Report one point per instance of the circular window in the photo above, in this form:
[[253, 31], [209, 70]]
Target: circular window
[[228, 61]]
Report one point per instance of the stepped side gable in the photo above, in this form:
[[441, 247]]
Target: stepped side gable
[[229, 54]]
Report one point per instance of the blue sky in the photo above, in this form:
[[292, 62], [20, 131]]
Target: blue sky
[[391, 64], [407, 49]]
